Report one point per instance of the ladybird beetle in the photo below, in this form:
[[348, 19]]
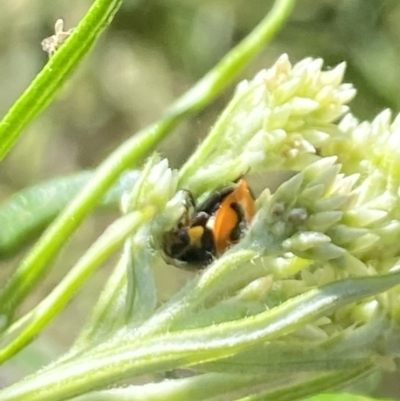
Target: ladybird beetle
[[212, 228]]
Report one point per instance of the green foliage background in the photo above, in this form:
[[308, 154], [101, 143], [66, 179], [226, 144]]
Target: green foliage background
[[151, 53]]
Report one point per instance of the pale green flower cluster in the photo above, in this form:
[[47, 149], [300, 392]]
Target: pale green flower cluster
[[156, 186], [304, 232], [371, 149], [278, 120], [339, 217], [335, 219], [157, 189]]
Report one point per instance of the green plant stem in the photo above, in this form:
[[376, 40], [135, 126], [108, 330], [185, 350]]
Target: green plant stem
[[130, 154], [28, 212], [327, 382], [209, 386], [129, 357], [49, 81], [198, 388], [213, 280], [234, 62], [141, 300], [48, 308], [109, 312], [339, 352]]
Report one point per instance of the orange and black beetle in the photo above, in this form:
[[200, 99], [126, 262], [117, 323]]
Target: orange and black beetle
[[214, 226]]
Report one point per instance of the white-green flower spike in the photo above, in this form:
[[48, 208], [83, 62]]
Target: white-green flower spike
[[277, 120]]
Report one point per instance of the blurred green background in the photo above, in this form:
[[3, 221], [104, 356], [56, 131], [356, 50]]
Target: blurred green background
[[153, 51]]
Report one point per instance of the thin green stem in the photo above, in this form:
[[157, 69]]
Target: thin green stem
[[130, 154], [325, 383], [129, 356], [49, 81], [28, 212], [196, 388], [109, 312], [48, 308], [234, 62], [215, 279], [209, 386]]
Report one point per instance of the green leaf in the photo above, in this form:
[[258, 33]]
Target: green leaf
[[23, 331], [132, 354], [109, 313], [26, 213], [49, 81], [344, 397], [209, 387]]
